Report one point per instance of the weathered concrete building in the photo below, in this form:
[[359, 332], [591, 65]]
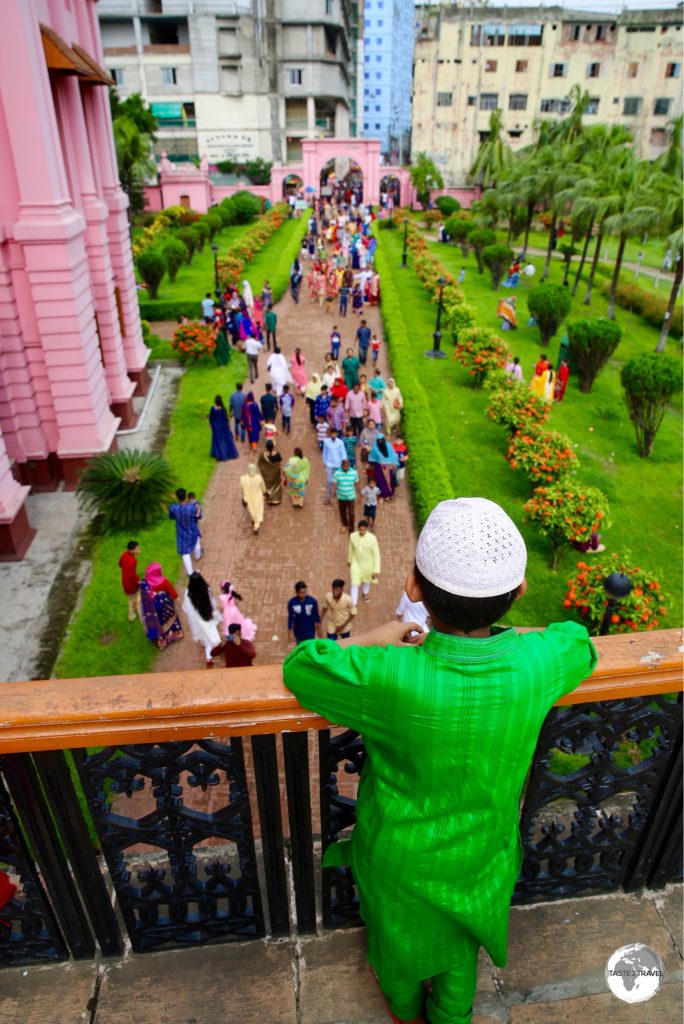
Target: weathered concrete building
[[236, 78], [471, 60]]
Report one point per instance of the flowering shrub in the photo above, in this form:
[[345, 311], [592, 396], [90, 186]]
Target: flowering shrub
[[231, 266], [193, 342], [642, 609], [458, 315], [515, 407], [543, 455], [432, 216], [480, 350], [566, 511], [230, 269]]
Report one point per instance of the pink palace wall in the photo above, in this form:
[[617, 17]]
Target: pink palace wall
[[71, 350]]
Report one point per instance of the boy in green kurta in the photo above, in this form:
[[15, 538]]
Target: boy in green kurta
[[450, 720]]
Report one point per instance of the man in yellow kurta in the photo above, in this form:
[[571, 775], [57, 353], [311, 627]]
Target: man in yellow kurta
[[364, 561], [450, 726]]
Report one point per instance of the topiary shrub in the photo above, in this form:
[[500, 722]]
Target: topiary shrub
[[432, 217], [549, 304], [194, 342], [246, 206], [213, 222], [189, 240], [127, 489], [566, 512], [542, 455], [458, 231], [226, 211], [514, 407], [497, 259], [447, 205], [481, 351], [592, 342], [151, 267], [649, 382], [201, 232], [479, 239], [175, 254]]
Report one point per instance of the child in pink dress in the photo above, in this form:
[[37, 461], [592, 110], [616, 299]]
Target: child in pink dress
[[374, 408], [230, 612]]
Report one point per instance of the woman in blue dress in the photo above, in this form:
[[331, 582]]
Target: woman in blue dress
[[222, 443], [252, 419], [383, 459]]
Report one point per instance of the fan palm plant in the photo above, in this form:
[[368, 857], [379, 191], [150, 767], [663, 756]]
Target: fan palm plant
[[126, 489], [493, 157]]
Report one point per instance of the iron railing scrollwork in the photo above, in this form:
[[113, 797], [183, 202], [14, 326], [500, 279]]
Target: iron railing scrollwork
[[345, 752]]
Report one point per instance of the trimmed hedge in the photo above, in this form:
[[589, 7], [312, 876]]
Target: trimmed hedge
[[427, 476], [651, 308], [160, 310]]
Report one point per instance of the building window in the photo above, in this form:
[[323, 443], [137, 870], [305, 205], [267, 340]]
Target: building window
[[378, 58], [189, 115], [118, 75], [600, 32], [484, 136], [445, 99], [631, 106], [366, 109], [592, 105], [515, 134], [658, 137], [576, 32], [489, 100], [365, 127], [366, 74], [525, 35], [517, 101], [380, 22], [378, 75], [559, 70], [555, 106], [633, 70], [472, 100], [169, 76], [593, 70], [673, 70], [328, 6], [377, 108], [520, 65], [230, 78], [487, 35], [491, 65], [661, 107], [294, 76], [377, 126]]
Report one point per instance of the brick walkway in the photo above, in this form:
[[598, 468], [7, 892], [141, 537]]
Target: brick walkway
[[303, 544]]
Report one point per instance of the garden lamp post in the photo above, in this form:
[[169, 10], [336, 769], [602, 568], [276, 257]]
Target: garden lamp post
[[435, 352], [616, 586], [404, 253], [215, 249], [391, 225]]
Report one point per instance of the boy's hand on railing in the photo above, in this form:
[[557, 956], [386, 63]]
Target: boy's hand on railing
[[399, 634]]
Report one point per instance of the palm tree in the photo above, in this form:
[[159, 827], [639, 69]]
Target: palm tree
[[671, 161], [133, 149], [493, 157], [676, 246], [607, 197], [556, 171], [521, 185], [489, 207]]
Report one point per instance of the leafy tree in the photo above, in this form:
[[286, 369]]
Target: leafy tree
[[189, 240], [226, 212], [549, 304], [213, 222], [489, 208], [497, 258], [135, 164], [425, 177], [246, 206], [151, 267], [259, 171], [649, 382], [447, 205], [494, 155], [479, 240], [136, 110], [201, 233], [458, 230], [592, 342], [128, 489], [175, 254]]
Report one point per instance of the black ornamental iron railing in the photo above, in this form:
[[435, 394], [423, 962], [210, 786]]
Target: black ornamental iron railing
[[200, 814]]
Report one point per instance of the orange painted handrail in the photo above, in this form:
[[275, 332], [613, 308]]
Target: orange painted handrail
[[54, 714]]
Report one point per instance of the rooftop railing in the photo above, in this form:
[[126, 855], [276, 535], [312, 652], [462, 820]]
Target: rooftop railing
[[203, 801]]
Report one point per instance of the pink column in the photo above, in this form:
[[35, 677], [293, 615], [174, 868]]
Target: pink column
[[97, 248], [51, 233], [15, 532]]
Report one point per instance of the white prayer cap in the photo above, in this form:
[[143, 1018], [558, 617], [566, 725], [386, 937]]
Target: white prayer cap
[[470, 547]]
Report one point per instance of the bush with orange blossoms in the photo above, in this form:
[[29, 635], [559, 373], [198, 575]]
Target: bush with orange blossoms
[[513, 406], [480, 350], [567, 512], [644, 608], [543, 455], [193, 342]]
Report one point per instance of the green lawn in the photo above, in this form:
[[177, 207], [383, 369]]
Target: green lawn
[[196, 279], [653, 249], [645, 494]]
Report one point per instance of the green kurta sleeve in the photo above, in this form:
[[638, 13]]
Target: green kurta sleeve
[[329, 679]]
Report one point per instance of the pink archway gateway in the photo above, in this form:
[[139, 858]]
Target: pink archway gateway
[[316, 153]]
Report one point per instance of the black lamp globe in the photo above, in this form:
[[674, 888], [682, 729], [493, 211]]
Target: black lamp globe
[[616, 586]]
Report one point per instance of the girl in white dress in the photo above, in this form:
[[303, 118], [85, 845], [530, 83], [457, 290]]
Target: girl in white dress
[[202, 614]]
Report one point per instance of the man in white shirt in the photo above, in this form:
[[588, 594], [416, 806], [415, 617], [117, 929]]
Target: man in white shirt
[[334, 453], [252, 350], [208, 309]]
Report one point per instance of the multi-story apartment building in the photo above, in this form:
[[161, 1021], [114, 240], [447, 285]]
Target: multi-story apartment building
[[387, 57], [234, 78], [471, 60]]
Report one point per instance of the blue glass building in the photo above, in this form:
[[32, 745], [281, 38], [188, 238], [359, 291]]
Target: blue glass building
[[388, 55]]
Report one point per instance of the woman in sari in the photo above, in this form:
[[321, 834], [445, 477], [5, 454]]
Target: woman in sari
[[374, 289], [297, 472], [298, 371], [383, 459], [247, 296], [392, 404], [222, 348], [253, 489], [158, 605], [251, 419], [313, 390], [270, 467], [222, 443], [505, 310], [202, 614]]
